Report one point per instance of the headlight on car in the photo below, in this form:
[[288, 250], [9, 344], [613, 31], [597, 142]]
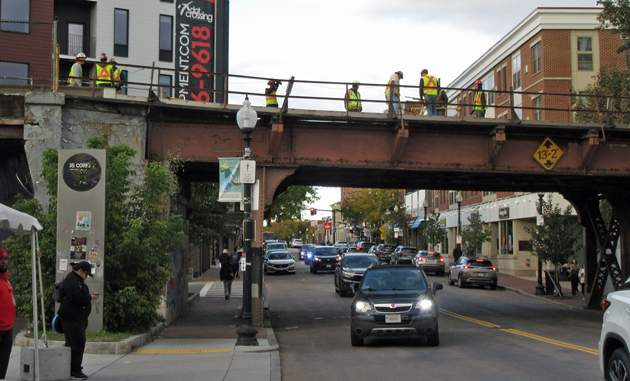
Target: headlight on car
[[347, 274], [362, 306], [424, 305]]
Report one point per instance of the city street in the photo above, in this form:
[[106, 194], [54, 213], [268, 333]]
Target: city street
[[484, 335]]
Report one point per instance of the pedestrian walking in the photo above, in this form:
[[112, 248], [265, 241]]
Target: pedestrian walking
[[7, 314], [352, 101], [235, 259], [574, 270], [76, 72], [582, 278], [74, 310], [392, 93], [104, 75], [457, 252], [479, 101], [226, 274], [270, 93], [429, 89]]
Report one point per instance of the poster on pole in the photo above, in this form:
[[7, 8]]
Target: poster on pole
[[230, 187]]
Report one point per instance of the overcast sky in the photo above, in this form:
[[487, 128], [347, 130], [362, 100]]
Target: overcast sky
[[364, 40]]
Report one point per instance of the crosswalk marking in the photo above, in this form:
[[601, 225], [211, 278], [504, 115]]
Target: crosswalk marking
[[215, 290]]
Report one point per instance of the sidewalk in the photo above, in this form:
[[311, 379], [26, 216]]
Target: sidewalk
[[198, 346], [527, 286]]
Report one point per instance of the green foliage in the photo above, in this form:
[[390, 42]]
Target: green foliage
[[289, 229], [431, 229], [290, 203], [611, 83], [559, 237], [374, 206], [210, 218], [616, 17], [474, 234]]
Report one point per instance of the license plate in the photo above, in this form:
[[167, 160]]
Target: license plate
[[480, 274], [392, 318], [431, 261], [328, 266]]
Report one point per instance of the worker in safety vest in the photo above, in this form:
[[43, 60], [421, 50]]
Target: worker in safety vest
[[76, 72], [352, 100], [442, 103], [270, 93], [104, 75], [392, 93], [118, 76], [479, 101], [429, 88]]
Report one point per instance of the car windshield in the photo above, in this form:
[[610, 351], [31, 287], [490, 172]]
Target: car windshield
[[479, 263], [388, 247], [409, 249], [394, 279], [325, 251], [280, 255], [275, 246], [359, 261], [366, 244], [307, 247]]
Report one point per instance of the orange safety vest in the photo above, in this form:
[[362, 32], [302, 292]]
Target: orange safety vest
[[477, 102], [430, 85], [104, 74]]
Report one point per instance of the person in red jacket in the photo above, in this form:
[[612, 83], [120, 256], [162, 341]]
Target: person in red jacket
[[7, 314]]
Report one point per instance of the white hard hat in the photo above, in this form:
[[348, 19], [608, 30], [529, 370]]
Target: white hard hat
[[81, 55]]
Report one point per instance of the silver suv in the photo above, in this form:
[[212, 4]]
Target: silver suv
[[403, 254], [614, 359], [475, 271]]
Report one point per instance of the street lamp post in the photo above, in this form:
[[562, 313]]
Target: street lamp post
[[246, 119], [540, 289], [459, 200]]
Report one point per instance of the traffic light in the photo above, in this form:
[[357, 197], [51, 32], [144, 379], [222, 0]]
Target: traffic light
[[313, 211]]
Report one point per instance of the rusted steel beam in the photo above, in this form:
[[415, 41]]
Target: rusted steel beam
[[400, 142], [497, 139], [277, 129], [11, 130], [589, 147]]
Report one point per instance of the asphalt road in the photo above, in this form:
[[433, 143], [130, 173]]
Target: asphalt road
[[484, 335]]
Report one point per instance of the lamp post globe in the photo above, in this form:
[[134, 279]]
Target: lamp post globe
[[246, 119]]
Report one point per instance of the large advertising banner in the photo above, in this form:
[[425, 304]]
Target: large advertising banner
[[195, 49], [230, 187]]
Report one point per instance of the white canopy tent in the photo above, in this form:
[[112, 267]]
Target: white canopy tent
[[19, 222]]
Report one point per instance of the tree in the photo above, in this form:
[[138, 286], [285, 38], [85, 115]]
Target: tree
[[559, 237], [373, 207], [289, 229], [616, 17], [290, 203], [432, 231], [610, 83], [474, 234], [211, 219]]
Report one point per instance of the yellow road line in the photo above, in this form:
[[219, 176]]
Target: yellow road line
[[181, 351], [523, 334]]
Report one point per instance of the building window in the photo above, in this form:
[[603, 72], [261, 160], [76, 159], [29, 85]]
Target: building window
[[13, 73], [488, 84], [536, 61], [75, 39], [507, 237], [121, 32], [15, 10], [538, 108], [585, 53], [166, 38], [167, 81], [464, 107], [516, 72], [505, 86], [499, 80]]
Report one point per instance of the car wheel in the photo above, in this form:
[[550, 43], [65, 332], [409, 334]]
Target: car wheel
[[450, 280], [355, 340], [493, 286], [265, 271], [618, 365], [342, 292], [313, 270], [460, 283], [434, 339], [336, 286]]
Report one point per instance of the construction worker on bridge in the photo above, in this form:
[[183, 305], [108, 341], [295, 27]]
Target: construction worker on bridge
[[76, 72], [429, 88], [352, 100], [270, 93], [104, 74], [392, 93], [479, 101]]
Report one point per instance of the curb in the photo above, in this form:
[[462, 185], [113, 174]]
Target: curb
[[519, 291]]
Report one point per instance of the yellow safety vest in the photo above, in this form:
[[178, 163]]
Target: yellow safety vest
[[73, 81], [387, 89], [354, 100], [104, 74], [271, 99], [430, 85], [477, 102]]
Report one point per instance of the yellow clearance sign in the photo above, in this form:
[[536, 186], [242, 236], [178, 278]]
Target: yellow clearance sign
[[548, 154]]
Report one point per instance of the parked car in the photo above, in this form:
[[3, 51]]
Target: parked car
[[324, 259], [614, 358], [304, 249], [403, 254], [393, 302], [429, 261], [360, 247], [350, 271], [278, 261], [309, 255], [297, 243], [384, 251], [372, 250], [479, 271]]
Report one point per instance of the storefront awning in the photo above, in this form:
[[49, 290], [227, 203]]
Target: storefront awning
[[416, 224]]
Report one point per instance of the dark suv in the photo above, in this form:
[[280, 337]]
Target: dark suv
[[361, 247], [403, 254], [350, 269], [324, 259], [394, 301], [384, 251]]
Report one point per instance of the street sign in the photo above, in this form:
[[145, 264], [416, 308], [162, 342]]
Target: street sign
[[459, 239], [382, 228], [327, 226], [248, 171], [548, 154]]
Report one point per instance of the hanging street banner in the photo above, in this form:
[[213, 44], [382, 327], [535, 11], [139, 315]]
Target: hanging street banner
[[194, 38], [230, 187]]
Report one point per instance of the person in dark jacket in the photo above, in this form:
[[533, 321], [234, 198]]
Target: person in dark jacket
[[457, 252], [74, 310], [7, 314], [226, 274], [235, 258]]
